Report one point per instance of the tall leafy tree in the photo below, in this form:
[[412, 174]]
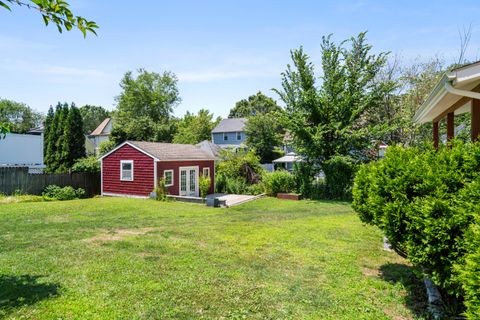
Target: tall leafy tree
[[193, 129], [92, 116], [19, 117], [335, 116], [254, 105], [263, 136], [145, 107]]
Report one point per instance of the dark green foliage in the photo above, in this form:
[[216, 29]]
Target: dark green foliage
[[66, 193], [74, 139], [336, 116], [145, 107], [89, 164], [263, 136], [19, 117], [279, 181], [255, 105], [425, 201], [92, 117], [64, 141], [237, 171], [339, 173]]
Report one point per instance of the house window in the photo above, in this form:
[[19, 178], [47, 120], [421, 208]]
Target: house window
[[168, 176], [225, 136], [239, 136], [206, 172], [126, 170]]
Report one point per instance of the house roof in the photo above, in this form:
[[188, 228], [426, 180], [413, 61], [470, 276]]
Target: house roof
[[453, 91], [230, 125], [209, 147], [101, 127], [167, 151], [289, 157]]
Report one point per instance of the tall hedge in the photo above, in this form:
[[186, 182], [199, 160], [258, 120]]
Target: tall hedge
[[426, 202]]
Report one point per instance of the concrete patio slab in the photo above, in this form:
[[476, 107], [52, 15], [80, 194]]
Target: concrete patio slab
[[231, 200]]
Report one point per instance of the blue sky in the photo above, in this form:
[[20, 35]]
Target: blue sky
[[221, 51]]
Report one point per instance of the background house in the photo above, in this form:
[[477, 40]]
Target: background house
[[229, 132], [134, 168], [22, 150], [100, 134]]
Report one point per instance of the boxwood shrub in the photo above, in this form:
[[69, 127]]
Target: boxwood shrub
[[427, 204]]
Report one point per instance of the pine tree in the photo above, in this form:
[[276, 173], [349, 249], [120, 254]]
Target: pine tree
[[51, 140], [74, 140], [47, 132], [60, 154]]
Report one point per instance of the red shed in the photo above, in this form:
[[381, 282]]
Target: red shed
[[134, 167]]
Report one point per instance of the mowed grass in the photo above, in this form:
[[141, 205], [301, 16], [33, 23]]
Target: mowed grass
[[112, 258]]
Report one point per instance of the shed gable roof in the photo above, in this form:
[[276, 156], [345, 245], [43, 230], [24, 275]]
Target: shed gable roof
[[230, 125], [166, 151]]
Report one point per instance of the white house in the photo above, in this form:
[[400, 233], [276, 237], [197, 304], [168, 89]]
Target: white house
[[22, 150], [101, 134]]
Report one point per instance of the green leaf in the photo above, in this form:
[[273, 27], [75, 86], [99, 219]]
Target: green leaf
[[2, 4], [46, 19]]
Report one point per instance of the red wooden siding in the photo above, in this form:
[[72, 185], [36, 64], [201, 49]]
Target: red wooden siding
[[143, 175], [175, 166]]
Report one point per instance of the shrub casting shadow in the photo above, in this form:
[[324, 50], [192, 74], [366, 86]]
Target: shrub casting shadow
[[416, 299], [16, 291]]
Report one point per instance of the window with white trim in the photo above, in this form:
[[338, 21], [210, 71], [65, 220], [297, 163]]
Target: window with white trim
[[126, 170], [225, 136], [206, 172], [168, 176], [239, 136]]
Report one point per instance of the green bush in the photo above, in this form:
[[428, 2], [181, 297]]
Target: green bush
[[279, 181], [237, 171], [204, 185], [89, 164], [470, 273], [425, 201], [339, 173], [106, 146], [161, 191], [66, 193]]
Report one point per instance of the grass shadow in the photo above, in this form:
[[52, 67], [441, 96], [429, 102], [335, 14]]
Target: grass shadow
[[416, 298], [17, 291]]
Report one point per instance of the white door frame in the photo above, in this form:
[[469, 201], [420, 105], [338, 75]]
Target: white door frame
[[196, 168]]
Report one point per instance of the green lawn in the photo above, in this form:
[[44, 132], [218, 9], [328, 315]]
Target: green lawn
[[109, 258]]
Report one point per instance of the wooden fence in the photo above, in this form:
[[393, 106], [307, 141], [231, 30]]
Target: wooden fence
[[18, 179]]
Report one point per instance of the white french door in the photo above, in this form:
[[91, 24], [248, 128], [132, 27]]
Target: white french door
[[189, 181]]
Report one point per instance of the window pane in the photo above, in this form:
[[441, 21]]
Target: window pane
[[168, 177], [183, 180], [126, 166]]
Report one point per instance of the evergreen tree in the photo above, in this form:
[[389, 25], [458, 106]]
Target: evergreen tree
[[46, 133], [51, 140], [60, 155], [74, 140]]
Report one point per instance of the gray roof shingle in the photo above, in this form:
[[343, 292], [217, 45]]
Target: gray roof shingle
[[230, 125], [172, 151]]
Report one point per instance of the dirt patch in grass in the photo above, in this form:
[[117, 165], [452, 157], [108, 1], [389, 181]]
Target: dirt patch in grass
[[119, 234], [369, 272]]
